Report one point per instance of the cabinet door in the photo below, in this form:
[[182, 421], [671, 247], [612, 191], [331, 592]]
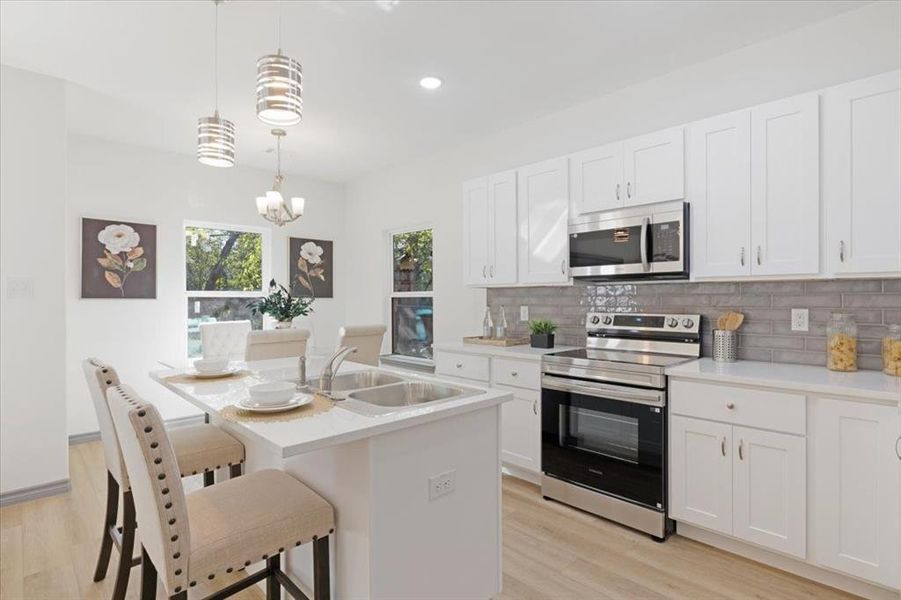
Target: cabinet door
[[543, 209], [700, 473], [502, 221], [719, 182], [769, 489], [475, 231], [597, 179], [785, 201], [861, 175], [856, 489], [521, 430], [654, 167]]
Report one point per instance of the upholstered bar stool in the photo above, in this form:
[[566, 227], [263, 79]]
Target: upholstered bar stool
[[276, 343], [225, 339], [198, 449], [219, 529], [366, 338]]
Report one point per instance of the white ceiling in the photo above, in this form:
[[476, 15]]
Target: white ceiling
[[143, 69]]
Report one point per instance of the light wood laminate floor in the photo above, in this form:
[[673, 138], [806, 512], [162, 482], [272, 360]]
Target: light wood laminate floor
[[48, 548]]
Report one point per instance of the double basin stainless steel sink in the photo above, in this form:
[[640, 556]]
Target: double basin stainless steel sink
[[378, 393]]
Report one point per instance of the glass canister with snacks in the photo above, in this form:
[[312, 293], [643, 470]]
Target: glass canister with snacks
[[841, 342], [891, 351]]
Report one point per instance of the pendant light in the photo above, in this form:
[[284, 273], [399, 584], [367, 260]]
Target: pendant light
[[279, 87], [215, 135], [272, 206]]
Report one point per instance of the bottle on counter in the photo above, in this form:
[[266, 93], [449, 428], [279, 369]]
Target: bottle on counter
[[500, 330], [487, 325], [891, 351], [841, 342]]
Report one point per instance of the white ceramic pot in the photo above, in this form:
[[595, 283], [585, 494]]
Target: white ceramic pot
[[284, 324]]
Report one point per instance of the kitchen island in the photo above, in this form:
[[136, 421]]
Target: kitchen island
[[416, 492]]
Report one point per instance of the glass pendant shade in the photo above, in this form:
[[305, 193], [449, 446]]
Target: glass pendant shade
[[216, 141], [297, 205], [279, 90]]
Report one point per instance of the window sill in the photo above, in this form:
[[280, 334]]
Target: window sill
[[406, 362]]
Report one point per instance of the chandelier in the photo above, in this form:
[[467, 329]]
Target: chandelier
[[215, 135], [273, 207], [279, 88]]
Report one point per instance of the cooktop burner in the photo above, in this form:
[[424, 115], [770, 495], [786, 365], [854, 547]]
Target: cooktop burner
[[622, 356]]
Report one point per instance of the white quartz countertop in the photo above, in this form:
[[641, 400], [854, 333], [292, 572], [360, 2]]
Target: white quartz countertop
[[336, 426], [519, 352], [871, 385]]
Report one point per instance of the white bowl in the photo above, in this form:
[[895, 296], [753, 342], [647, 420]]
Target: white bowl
[[211, 365], [273, 393]]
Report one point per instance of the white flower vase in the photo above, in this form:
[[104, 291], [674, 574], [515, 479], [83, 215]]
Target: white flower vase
[[284, 324]]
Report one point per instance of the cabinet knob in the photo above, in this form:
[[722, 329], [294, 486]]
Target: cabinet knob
[[459, 365], [514, 373], [730, 405]]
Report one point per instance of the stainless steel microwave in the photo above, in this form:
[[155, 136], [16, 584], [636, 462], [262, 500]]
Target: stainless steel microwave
[[640, 242]]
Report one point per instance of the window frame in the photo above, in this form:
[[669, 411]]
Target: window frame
[[265, 261], [389, 241]]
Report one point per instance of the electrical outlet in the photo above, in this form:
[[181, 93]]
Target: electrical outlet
[[800, 319], [523, 313], [441, 484]]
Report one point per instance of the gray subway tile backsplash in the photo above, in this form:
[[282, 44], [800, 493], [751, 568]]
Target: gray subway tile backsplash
[[766, 334]]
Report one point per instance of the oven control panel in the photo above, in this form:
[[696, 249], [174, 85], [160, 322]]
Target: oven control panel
[[660, 322]]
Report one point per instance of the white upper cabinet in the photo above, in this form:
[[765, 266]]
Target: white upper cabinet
[[597, 179], [502, 243], [785, 197], [719, 187], [856, 490], [862, 175], [543, 210], [475, 231], [654, 167]]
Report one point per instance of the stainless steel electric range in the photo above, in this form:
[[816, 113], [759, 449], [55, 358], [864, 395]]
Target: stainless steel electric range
[[603, 423]]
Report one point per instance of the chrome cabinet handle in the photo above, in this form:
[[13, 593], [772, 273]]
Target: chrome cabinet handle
[[741, 455], [491, 271], [535, 406], [723, 446], [563, 266], [758, 255], [742, 256], [898, 447], [730, 405], [645, 224], [841, 250], [617, 191], [628, 189], [484, 267]]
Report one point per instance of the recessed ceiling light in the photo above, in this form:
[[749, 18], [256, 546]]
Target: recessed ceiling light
[[430, 83]]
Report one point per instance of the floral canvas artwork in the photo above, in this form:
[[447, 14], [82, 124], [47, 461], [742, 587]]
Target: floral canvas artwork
[[310, 264], [118, 259]]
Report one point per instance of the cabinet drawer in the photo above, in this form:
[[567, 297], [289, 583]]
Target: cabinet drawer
[[468, 366], [777, 411], [519, 373]]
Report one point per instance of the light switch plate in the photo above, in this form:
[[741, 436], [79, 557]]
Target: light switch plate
[[19, 288], [523, 313], [800, 319]]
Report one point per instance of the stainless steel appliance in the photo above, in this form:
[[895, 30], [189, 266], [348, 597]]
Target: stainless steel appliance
[[639, 242], [603, 422]]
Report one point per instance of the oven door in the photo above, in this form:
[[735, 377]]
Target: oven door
[[605, 437]]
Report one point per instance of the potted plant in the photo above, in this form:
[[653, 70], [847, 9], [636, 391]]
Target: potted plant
[[542, 333], [281, 305]]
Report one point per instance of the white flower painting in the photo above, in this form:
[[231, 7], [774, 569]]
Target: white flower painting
[[118, 260], [310, 263]]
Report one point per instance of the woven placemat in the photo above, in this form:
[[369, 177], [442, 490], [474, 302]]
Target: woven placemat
[[185, 378], [320, 404]]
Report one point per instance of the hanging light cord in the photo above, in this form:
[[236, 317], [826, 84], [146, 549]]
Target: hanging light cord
[[216, 55]]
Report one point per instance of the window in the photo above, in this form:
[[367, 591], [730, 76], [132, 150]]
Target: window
[[225, 268], [411, 293]]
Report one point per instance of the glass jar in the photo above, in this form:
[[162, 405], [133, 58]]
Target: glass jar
[[891, 351], [841, 342]]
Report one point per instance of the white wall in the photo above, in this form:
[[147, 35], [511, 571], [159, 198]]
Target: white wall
[[33, 447], [116, 181], [850, 46]]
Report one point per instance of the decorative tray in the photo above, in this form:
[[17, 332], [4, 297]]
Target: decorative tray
[[518, 341]]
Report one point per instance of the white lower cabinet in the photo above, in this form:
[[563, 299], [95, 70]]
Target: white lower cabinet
[[521, 430], [856, 489]]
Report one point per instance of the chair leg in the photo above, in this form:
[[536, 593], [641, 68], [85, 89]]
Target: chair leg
[[273, 588], [321, 574], [148, 577], [128, 545], [235, 471], [209, 478], [109, 520], [182, 595]]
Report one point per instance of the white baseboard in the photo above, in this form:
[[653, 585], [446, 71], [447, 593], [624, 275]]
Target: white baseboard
[[34, 492], [786, 563], [520, 473], [91, 436]]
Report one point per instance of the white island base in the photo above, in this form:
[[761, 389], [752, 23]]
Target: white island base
[[391, 540]]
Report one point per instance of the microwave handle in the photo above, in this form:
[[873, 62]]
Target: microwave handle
[[644, 244]]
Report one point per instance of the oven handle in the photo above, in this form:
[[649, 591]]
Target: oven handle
[[644, 244], [599, 390]]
